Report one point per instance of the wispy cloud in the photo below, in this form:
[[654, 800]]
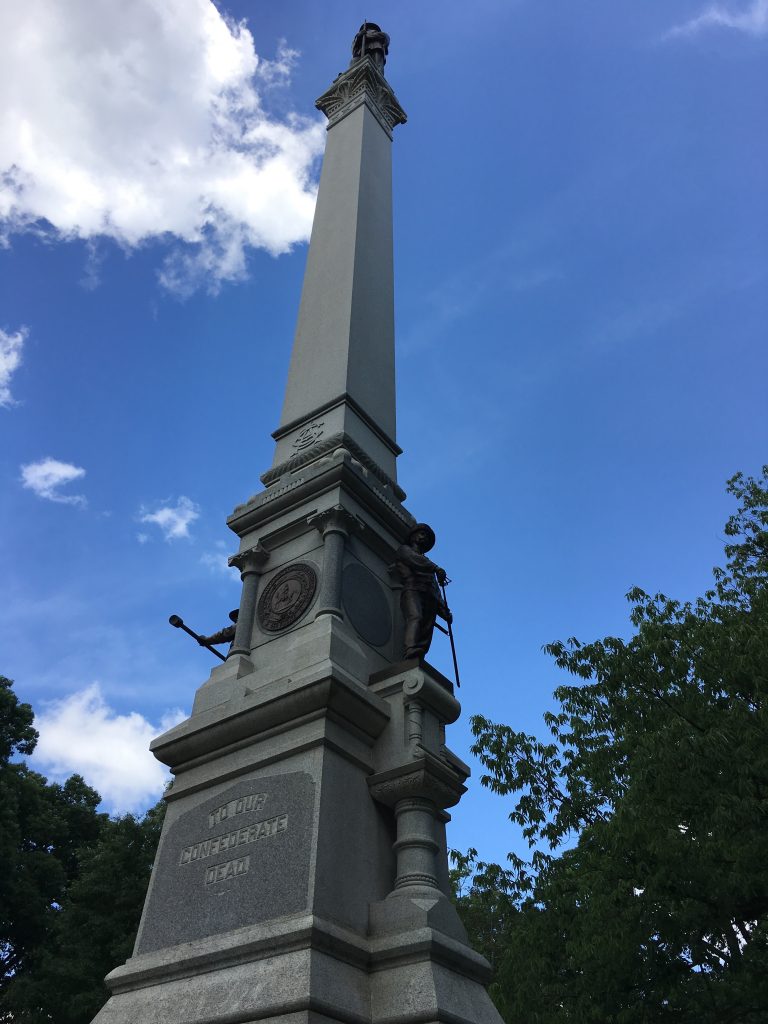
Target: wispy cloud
[[94, 258], [111, 750], [751, 19], [458, 297], [173, 520], [650, 315], [217, 562], [10, 360], [207, 167], [46, 478], [641, 320]]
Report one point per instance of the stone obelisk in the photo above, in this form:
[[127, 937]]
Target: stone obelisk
[[302, 870]]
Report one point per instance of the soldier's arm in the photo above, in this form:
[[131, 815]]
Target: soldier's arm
[[414, 558], [223, 636]]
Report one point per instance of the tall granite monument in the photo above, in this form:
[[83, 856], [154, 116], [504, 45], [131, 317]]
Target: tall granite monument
[[302, 870]]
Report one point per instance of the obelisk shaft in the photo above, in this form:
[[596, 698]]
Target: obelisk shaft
[[342, 370], [345, 334]]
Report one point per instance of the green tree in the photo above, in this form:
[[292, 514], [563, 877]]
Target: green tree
[[94, 929], [646, 896], [42, 827], [72, 883]]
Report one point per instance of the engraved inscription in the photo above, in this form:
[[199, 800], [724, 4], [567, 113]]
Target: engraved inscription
[[230, 869], [213, 873], [251, 802], [229, 840]]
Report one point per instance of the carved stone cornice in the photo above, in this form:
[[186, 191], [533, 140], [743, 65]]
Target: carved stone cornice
[[362, 83], [425, 779], [339, 467], [328, 444]]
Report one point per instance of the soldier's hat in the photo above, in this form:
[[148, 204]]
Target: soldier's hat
[[429, 532], [234, 613]]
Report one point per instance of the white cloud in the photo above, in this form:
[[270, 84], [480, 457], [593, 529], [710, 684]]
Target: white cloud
[[173, 520], [218, 562], [81, 733], [10, 360], [47, 476], [751, 19], [145, 120]]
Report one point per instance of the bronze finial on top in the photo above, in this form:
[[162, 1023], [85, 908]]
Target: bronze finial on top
[[364, 81], [371, 42]]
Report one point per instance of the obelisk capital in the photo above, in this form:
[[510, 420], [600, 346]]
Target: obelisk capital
[[362, 82]]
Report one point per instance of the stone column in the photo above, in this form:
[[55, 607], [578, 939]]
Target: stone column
[[251, 564], [417, 791], [415, 845], [335, 524]]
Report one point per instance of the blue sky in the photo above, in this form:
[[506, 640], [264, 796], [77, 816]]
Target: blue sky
[[581, 261]]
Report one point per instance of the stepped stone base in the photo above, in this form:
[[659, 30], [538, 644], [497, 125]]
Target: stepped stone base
[[301, 873], [303, 968]]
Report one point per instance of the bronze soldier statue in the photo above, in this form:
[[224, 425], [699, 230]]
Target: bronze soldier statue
[[224, 636], [371, 41], [420, 600]]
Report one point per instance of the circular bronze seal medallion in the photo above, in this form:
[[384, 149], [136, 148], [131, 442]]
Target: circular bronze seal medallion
[[287, 596]]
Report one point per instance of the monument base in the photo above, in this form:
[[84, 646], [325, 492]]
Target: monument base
[[304, 968], [302, 870]]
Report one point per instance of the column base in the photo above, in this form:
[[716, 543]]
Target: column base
[[414, 908]]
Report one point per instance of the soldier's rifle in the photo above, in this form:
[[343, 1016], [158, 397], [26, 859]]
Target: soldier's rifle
[[449, 632], [178, 622]]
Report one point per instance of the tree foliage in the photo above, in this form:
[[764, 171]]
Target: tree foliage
[[72, 884], [646, 808]]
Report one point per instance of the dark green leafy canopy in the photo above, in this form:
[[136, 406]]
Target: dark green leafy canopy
[[95, 928], [16, 733], [646, 897], [72, 884], [42, 827]]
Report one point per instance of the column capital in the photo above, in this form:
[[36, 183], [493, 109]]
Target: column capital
[[250, 561], [336, 520], [362, 83], [423, 778]]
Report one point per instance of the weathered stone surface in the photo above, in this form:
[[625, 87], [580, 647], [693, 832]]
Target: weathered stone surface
[[298, 969], [237, 858]]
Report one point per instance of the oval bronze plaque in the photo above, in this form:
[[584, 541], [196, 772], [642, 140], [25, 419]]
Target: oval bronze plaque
[[366, 605], [287, 596]]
